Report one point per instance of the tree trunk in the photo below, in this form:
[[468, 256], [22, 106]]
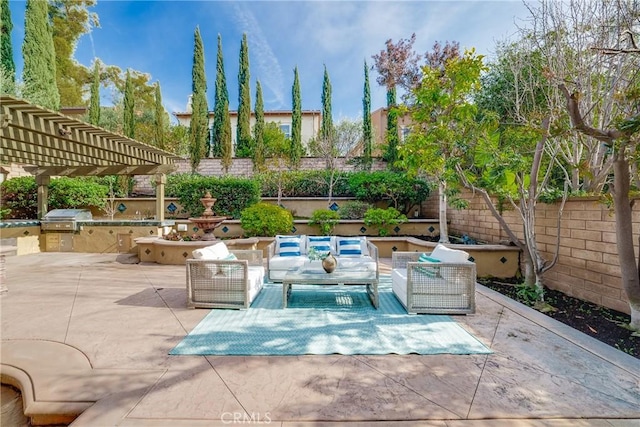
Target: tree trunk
[[442, 206], [624, 237]]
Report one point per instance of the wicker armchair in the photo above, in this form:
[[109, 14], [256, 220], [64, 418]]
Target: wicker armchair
[[433, 288], [225, 283]]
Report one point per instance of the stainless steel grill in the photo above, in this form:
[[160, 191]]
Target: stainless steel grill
[[64, 219]]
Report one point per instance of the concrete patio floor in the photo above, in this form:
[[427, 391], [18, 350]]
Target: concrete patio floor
[[90, 334]]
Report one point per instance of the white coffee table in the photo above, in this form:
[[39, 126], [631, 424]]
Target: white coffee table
[[313, 274]]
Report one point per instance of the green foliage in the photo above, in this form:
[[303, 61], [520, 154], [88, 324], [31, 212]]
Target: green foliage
[[199, 125], [296, 121], [158, 119], [383, 219], [7, 65], [354, 209], [129, 120], [266, 220], [232, 194], [243, 135], [528, 294], [66, 193], [304, 183], [325, 219], [39, 70], [94, 102], [258, 132], [367, 132], [20, 195], [390, 154], [399, 190], [220, 107], [225, 137], [326, 128]]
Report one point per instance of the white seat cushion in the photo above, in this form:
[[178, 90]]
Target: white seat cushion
[[255, 281]]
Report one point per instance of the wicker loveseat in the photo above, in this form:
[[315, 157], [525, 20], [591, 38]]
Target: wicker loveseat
[[217, 278], [443, 283], [287, 252]]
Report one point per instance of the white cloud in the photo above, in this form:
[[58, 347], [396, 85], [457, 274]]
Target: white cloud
[[262, 57]]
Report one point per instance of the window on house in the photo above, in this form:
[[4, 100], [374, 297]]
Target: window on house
[[286, 129]]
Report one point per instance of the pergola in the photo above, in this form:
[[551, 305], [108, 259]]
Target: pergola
[[56, 145]]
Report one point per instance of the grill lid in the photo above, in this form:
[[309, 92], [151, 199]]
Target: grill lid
[[68, 215]]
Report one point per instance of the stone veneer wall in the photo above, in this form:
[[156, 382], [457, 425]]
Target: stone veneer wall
[[243, 168], [587, 267]]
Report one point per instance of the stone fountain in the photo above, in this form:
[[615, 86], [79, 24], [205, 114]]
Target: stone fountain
[[208, 221]]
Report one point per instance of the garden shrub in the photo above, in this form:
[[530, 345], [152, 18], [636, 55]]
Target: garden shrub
[[266, 220], [304, 183], [383, 219], [232, 194], [397, 189], [353, 209], [20, 195], [325, 219], [67, 193]]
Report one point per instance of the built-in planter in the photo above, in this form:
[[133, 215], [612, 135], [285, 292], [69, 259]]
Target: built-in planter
[[176, 252], [231, 228]]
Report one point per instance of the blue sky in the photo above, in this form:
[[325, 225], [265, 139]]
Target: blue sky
[[156, 37]]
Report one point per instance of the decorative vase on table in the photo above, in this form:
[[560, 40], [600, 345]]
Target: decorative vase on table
[[329, 263]]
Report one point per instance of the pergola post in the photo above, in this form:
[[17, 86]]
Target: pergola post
[[42, 181], [161, 180]]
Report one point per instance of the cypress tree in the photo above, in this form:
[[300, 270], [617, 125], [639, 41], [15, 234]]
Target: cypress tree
[[39, 70], [326, 128], [367, 134], [391, 153], [7, 66], [94, 102], [158, 119], [198, 127], [129, 123], [227, 149], [243, 131], [258, 132], [296, 121], [220, 113]]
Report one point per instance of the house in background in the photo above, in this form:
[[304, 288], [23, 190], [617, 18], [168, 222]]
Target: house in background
[[311, 121]]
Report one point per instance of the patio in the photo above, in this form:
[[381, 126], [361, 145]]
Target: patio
[[92, 332]]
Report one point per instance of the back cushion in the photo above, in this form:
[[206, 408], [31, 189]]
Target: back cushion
[[289, 245], [352, 246], [445, 254], [217, 251], [321, 243]]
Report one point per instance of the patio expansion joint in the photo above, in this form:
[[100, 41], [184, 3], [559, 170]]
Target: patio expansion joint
[[73, 305], [484, 364]]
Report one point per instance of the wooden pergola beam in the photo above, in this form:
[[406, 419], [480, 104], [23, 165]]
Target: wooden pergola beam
[[51, 144]]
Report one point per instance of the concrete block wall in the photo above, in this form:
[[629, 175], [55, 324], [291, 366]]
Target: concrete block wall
[[587, 267]]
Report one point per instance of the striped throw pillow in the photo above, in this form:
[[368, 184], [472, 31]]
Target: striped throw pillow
[[350, 247], [429, 271], [289, 247]]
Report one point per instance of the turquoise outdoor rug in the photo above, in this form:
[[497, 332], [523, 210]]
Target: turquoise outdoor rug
[[326, 320]]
